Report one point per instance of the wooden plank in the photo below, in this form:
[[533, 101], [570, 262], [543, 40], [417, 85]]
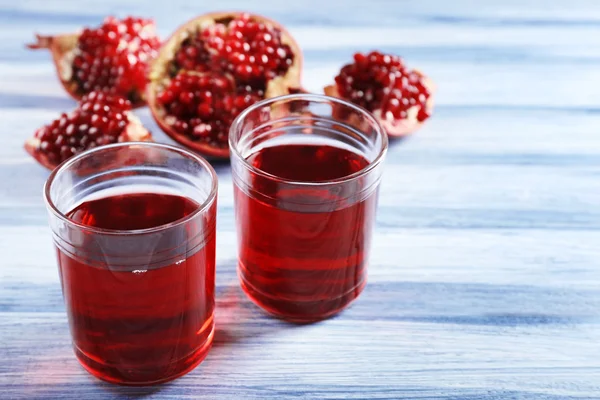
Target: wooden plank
[[483, 281]]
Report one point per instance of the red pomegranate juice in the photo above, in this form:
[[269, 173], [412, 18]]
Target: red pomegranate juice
[[303, 249], [146, 317]]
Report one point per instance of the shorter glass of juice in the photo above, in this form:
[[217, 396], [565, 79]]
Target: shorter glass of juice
[[134, 229]]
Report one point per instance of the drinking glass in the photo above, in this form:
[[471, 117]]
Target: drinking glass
[[306, 171], [140, 302]]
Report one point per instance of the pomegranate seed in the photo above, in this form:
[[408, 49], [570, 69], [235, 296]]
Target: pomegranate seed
[[202, 130], [422, 115], [204, 110], [186, 97]]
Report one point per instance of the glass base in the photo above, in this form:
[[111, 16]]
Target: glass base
[[300, 312], [128, 377]]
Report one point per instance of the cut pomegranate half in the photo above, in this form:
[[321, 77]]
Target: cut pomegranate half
[[98, 120], [112, 58], [212, 68], [400, 98]]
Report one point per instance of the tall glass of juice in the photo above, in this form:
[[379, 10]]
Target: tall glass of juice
[[306, 171], [134, 229]]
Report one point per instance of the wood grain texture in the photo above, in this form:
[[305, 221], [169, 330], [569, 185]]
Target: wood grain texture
[[484, 278]]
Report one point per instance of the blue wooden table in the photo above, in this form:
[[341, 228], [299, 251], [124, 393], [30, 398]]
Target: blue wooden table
[[485, 273]]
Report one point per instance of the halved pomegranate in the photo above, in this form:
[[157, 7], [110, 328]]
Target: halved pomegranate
[[112, 58], [99, 119], [212, 68], [400, 98]]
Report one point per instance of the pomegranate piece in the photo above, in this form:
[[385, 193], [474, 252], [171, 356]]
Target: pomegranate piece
[[400, 98], [98, 120], [113, 57], [212, 68]]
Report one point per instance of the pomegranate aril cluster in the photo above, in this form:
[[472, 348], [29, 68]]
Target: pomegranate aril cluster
[[98, 120], [252, 51], [192, 56], [380, 81], [114, 57], [203, 105], [246, 52]]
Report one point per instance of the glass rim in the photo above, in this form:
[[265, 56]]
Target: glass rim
[[212, 195], [237, 125]]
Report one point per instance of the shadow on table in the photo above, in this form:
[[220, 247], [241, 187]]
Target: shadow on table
[[237, 319], [130, 391]]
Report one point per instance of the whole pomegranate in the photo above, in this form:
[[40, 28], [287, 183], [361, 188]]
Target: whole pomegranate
[[212, 68], [99, 119], [113, 57], [400, 98]]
